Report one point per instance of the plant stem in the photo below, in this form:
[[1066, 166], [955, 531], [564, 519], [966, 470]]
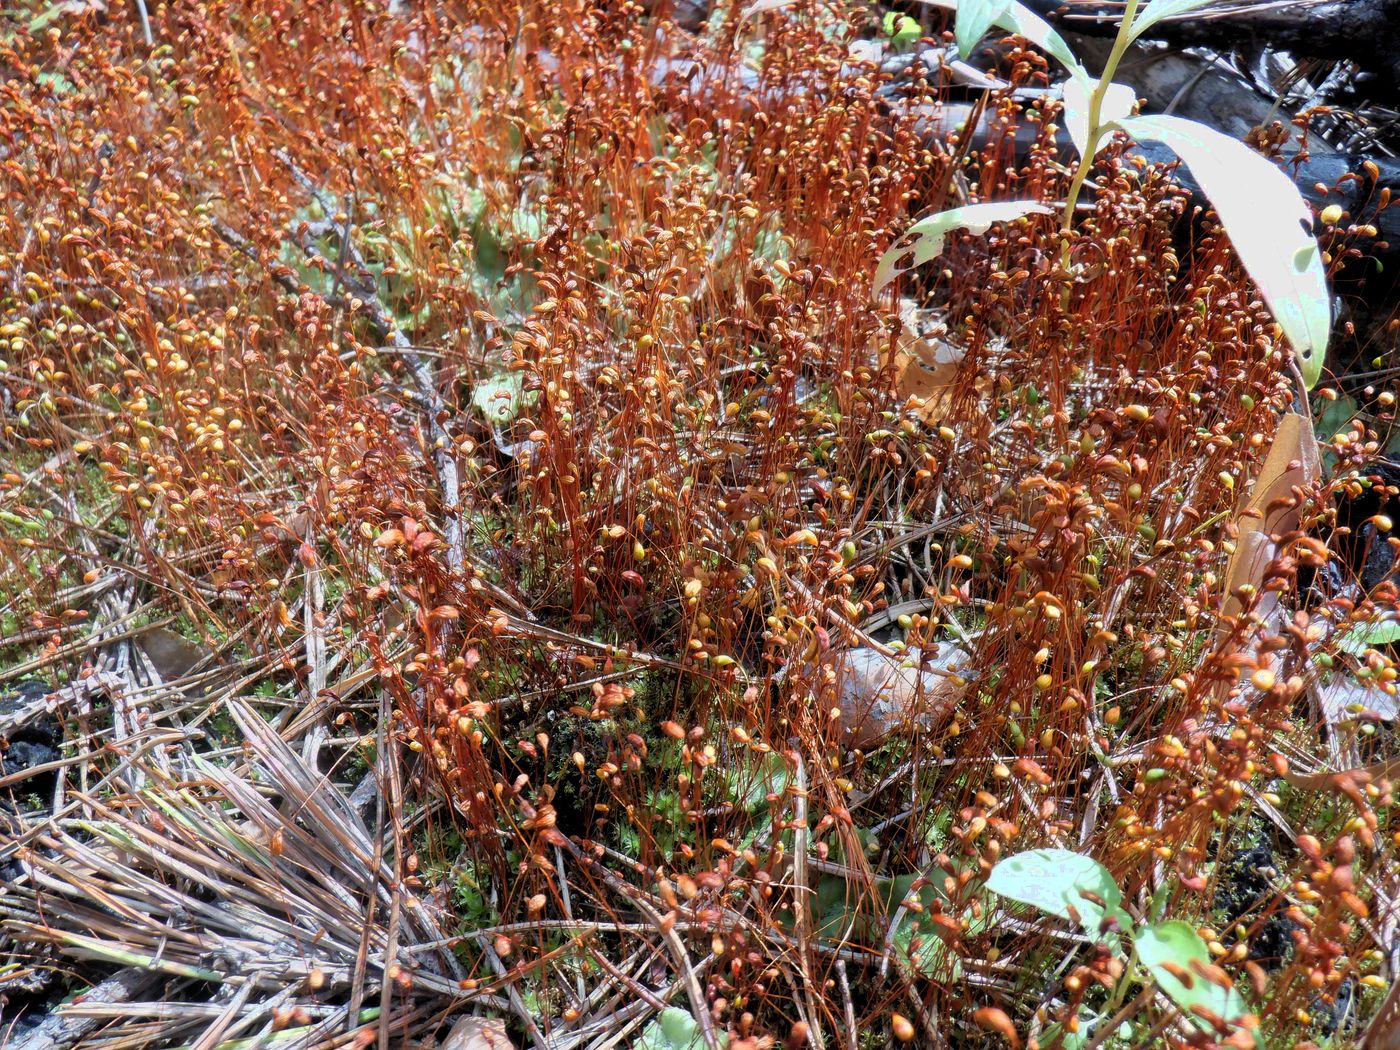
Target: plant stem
[[1106, 1030], [1124, 982], [1086, 161]]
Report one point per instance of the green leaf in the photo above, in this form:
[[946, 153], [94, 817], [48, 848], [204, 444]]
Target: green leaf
[[930, 232], [1370, 636], [750, 786], [849, 916], [498, 398], [975, 17], [1021, 21], [674, 1029], [1157, 10], [1269, 225], [1335, 417], [1055, 880], [901, 29], [1118, 102], [1175, 942], [1055, 1035], [47, 15]]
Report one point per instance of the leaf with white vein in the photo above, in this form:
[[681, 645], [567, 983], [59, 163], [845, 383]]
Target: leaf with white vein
[[975, 17], [1022, 21], [924, 240], [1269, 225], [1118, 102], [760, 6]]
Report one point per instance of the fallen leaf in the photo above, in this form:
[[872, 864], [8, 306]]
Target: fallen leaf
[[1290, 469], [172, 656], [926, 366], [1383, 1033], [878, 695], [478, 1033]]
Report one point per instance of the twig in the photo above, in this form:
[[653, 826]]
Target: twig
[[516, 1002], [802, 896], [314, 639], [635, 987], [357, 988], [848, 1005], [386, 988]]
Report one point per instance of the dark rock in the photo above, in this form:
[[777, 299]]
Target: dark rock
[[1330, 30], [1365, 551], [1336, 1014], [24, 755], [28, 735], [22, 714], [1245, 888]]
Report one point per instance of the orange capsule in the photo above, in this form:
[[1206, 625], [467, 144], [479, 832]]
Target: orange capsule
[[995, 1020]]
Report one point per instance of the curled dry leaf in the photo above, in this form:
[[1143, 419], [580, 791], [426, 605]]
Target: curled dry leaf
[[925, 364], [1290, 469], [878, 695], [478, 1033]]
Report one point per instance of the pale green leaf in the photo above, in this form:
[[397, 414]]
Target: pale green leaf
[[1175, 942], [975, 17], [1056, 1036], [1371, 636], [1118, 102], [1024, 22], [1160, 9], [1055, 881], [498, 398], [760, 6], [924, 240], [674, 1029], [1269, 225]]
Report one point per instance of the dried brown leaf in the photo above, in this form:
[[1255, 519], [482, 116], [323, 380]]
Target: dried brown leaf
[[1291, 467], [926, 366], [478, 1033], [1384, 1030]]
